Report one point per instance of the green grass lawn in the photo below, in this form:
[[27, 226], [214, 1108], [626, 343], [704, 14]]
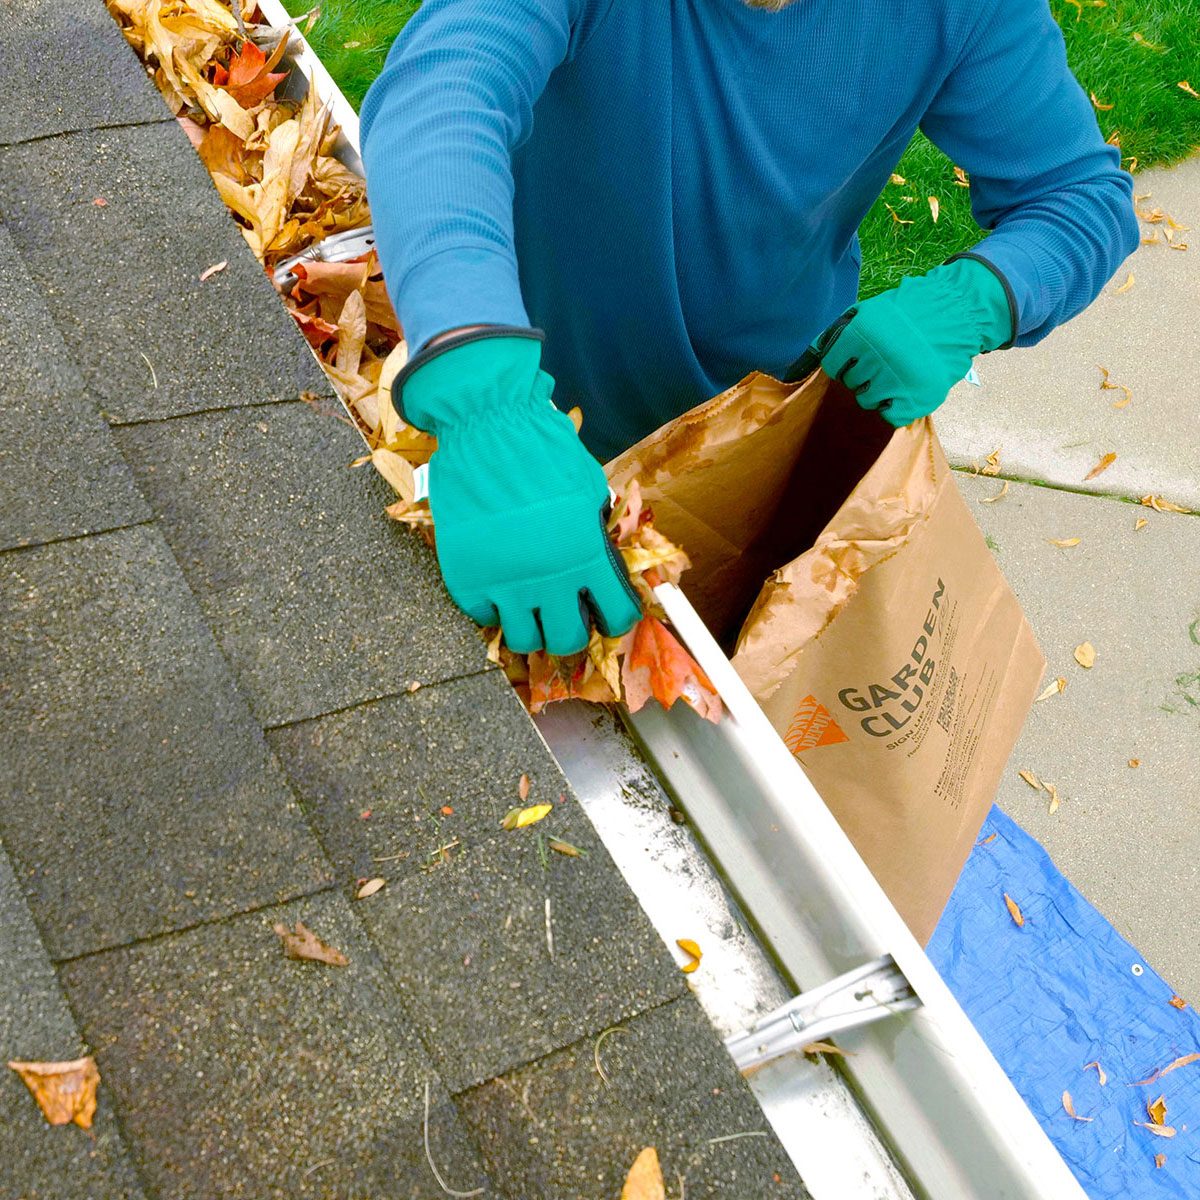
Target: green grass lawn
[[1156, 120]]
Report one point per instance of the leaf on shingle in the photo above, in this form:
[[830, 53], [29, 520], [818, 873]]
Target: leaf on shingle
[[521, 818], [64, 1091], [368, 887], [523, 788], [302, 943], [1102, 466], [645, 1178], [209, 272], [1069, 1106]]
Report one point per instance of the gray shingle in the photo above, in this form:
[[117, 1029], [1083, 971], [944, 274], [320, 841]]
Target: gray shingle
[[466, 941], [317, 599], [67, 66], [240, 1073], [42, 1162], [122, 280], [463, 744], [136, 793], [60, 474], [555, 1128]]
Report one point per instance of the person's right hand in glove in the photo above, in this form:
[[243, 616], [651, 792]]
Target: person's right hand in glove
[[518, 502]]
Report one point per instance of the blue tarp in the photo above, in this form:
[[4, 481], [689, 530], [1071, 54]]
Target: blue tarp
[[1062, 991]]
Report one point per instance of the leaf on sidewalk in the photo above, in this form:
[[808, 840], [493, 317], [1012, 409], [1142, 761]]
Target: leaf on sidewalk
[[1159, 504], [303, 944], [1102, 466], [1053, 689], [1031, 779], [1065, 543], [1085, 655], [998, 496], [1129, 281], [64, 1091]]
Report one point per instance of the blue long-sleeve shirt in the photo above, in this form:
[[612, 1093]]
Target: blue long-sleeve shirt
[[671, 188]]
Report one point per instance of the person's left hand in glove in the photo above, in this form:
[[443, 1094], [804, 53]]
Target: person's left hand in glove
[[902, 351]]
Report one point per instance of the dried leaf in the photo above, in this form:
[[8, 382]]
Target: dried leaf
[[1097, 105], [1175, 1001], [645, 1178], [897, 219], [304, 944], [209, 272], [523, 788], [1102, 466], [100, 202], [1014, 911], [1052, 807], [576, 416], [1065, 543], [992, 466], [1125, 286], [935, 208], [1142, 40], [691, 948], [1085, 655], [1187, 87], [1157, 1110], [368, 888], [64, 1091], [657, 665], [561, 847], [398, 471], [991, 837], [1031, 779], [1185, 1061], [1103, 1078], [520, 818], [998, 496], [825, 1048], [1140, 523], [1158, 1130], [352, 333], [1160, 1160], [897, 179], [960, 177], [1069, 1105], [1053, 689], [1161, 505]]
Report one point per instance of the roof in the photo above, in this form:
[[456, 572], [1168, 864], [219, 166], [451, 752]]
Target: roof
[[209, 726]]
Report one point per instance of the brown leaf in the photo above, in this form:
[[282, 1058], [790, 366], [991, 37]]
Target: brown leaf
[[1085, 655], [1031, 779], [561, 847], [1014, 911], [304, 944], [369, 887], [1187, 87], [1069, 1105], [897, 178], [1125, 286], [645, 1178], [1135, 762], [1157, 1130], [1099, 1071], [992, 466], [998, 496], [935, 208], [1160, 1160], [100, 202], [1065, 543], [825, 1048], [1052, 808], [1175, 1001], [1185, 1061], [1160, 505], [209, 272], [523, 788], [1157, 1110], [1102, 466], [960, 177], [689, 947], [1142, 40], [64, 1091]]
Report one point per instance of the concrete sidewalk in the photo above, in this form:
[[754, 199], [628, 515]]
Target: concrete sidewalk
[[1126, 836]]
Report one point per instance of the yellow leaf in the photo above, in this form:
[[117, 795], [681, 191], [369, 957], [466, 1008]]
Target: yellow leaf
[[520, 818], [1142, 40], [1126, 285], [1099, 1071], [689, 947], [935, 208], [1014, 911], [960, 177], [397, 471], [645, 1178], [1102, 466], [368, 888], [1031, 779], [64, 1091], [1187, 87], [1053, 689], [1160, 505], [1097, 105], [1085, 655], [1157, 1130], [998, 496], [1065, 543], [992, 466], [493, 646], [1157, 1110], [895, 218], [576, 416], [1069, 1105], [1140, 523]]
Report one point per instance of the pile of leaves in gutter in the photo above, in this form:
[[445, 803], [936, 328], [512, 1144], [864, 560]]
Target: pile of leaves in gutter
[[272, 160]]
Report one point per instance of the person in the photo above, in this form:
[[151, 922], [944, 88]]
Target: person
[[627, 205]]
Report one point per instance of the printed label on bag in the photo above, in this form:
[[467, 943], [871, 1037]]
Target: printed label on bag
[[812, 726]]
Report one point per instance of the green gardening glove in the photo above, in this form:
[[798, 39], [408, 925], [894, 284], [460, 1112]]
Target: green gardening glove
[[902, 351], [518, 503]]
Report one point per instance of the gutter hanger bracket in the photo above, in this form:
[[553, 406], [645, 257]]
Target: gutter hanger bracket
[[868, 993]]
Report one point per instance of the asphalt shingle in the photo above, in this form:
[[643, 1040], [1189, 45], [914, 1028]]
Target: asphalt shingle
[[555, 1128], [67, 66], [462, 745], [60, 474], [241, 1073], [122, 279], [136, 793], [42, 1162], [466, 943], [318, 600]]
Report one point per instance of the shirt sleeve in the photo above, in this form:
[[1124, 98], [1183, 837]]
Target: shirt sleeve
[[439, 126], [1042, 178]]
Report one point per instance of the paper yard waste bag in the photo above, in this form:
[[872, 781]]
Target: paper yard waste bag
[[885, 645]]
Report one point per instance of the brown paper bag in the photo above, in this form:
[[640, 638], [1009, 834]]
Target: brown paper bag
[[885, 645]]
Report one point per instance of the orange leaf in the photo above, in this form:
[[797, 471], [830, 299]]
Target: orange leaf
[[1096, 103], [1187, 87], [657, 665], [1068, 1104], [645, 1178], [1102, 466], [1014, 911], [1160, 1160], [250, 79], [64, 1091], [1175, 1001]]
